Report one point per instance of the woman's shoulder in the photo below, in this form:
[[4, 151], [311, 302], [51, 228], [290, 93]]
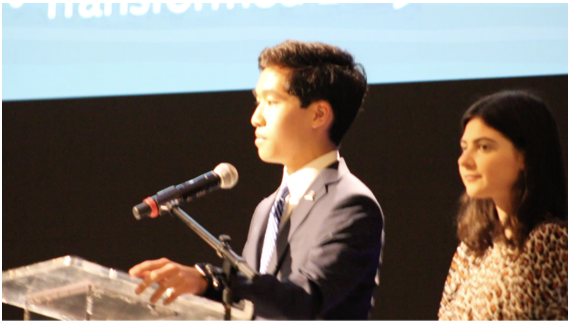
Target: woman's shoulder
[[548, 243], [465, 256], [544, 266], [551, 234]]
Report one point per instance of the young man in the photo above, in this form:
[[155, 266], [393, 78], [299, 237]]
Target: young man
[[317, 240]]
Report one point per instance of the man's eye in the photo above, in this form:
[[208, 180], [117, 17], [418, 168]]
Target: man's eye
[[484, 147]]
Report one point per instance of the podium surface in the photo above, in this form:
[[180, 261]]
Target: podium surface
[[71, 288]]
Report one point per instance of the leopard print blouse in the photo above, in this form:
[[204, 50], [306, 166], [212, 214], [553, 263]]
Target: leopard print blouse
[[506, 285]]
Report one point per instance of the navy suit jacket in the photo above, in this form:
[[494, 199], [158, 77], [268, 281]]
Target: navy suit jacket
[[327, 255]]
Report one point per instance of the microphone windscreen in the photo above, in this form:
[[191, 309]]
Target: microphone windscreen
[[142, 210], [228, 175]]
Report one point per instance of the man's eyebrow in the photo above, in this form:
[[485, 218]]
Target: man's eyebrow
[[275, 93]]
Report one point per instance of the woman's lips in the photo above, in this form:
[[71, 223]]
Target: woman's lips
[[471, 177]]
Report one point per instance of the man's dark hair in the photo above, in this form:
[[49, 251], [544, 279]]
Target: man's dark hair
[[321, 72], [540, 191]]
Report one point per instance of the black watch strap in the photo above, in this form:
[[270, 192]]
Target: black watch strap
[[213, 275], [215, 279]]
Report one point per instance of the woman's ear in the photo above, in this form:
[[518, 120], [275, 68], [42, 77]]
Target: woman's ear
[[521, 160]]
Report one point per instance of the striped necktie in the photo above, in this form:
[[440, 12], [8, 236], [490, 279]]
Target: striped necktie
[[272, 228]]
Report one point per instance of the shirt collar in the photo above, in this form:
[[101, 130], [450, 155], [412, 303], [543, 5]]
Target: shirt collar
[[299, 181]]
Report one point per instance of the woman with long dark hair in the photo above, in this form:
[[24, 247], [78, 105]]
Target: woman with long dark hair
[[512, 262]]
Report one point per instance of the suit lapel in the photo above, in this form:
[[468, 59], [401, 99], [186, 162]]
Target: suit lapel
[[252, 251], [317, 190], [304, 207]]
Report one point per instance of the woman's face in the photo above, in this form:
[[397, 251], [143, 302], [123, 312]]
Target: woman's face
[[489, 164]]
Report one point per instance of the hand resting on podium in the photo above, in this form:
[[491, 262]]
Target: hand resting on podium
[[180, 279]]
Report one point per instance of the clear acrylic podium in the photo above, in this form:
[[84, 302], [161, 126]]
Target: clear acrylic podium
[[71, 288]]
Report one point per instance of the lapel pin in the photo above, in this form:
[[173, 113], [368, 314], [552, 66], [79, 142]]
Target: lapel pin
[[310, 195]]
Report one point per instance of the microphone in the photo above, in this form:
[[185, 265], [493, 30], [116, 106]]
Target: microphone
[[224, 176]]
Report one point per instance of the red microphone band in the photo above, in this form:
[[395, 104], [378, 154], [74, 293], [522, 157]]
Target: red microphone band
[[153, 205]]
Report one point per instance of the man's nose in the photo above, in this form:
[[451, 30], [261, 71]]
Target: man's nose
[[257, 119]]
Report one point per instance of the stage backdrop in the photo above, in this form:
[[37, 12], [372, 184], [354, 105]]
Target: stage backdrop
[[73, 168]]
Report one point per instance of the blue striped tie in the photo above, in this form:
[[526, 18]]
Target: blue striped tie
[[272, 228]]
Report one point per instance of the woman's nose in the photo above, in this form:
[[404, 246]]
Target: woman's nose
[[465, 159]]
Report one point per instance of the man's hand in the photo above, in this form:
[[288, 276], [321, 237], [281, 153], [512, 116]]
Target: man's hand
[[178, 278]]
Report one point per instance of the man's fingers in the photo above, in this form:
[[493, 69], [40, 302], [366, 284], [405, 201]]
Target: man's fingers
[[169, 275], [175, 286], [148, 280], [158, 293], [166, 271], [141, 287], [149, 265], [163, 273], [172, 297]]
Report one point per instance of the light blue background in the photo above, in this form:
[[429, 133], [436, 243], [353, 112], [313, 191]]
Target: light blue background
[[49, 55]]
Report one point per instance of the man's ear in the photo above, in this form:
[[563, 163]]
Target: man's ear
[[322, 114]]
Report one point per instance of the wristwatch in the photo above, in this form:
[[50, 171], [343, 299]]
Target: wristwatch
[[213, 275]]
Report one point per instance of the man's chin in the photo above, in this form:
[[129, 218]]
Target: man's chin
[[268, 158]]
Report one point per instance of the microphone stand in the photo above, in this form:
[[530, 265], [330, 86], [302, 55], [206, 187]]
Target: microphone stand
[[231, 261]]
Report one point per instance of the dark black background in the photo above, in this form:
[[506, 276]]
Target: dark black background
[[72, 170]]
